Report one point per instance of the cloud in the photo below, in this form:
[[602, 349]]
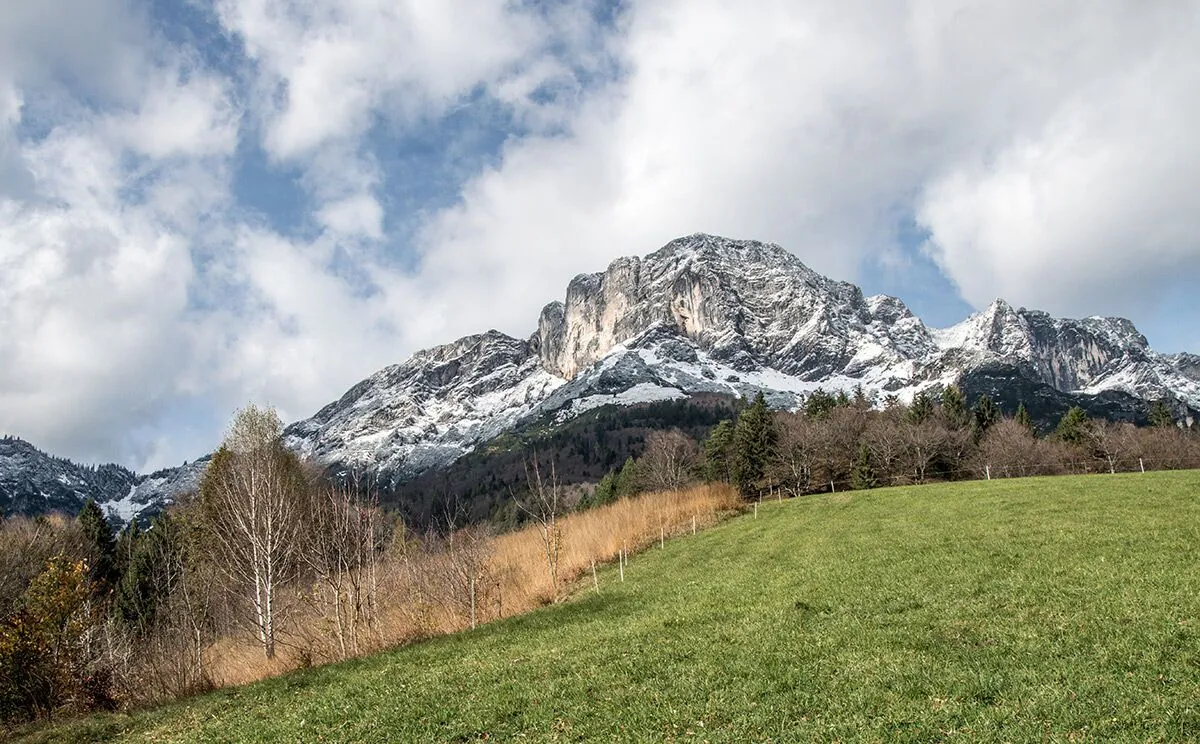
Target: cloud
[[1033, 141], [1088, 207], [97, 231], [328, 68], [1043, 148]]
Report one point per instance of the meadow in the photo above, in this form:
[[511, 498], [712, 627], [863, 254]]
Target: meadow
[[1042, 609]]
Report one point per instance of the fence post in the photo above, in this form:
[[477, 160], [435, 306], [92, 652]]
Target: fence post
[[693, 524], [1141, 464], [662, 537], [595, 579], [621, 563], [987, 469], [756, 510], [832, 486], [472, 603]]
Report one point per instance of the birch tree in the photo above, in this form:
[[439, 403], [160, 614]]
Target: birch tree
[[252, 499]]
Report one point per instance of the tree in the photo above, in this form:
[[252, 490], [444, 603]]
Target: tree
[[921, 409], [1024, 420], [667, 463], [718, 453], [628, 480], [795, 456], [606, 490], [1074, 428], [100, 546], [1008, 451], [543, 503], [754, 440], [985, 414], [342, 529], [819, 404], [149, 577], [251, 499], [862, 475], [1160, 414], [954, 408]]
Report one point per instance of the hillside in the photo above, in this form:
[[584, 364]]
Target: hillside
[[1061, 609]]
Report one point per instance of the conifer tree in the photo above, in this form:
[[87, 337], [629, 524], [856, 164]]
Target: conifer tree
[[100, 545], [754, 439], [149, 579], [985, 414], [606, 490], [1023, 419], [819, 404], [921, 409], [718, 449], [861, 400], [1074, 427], [862, 475], [1160, 414], [954, 407], [627, 479]]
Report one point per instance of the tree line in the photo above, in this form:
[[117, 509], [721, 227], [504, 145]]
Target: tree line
[[845, 441]]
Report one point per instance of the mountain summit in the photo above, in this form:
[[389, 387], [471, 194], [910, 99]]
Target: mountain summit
[[706, 314], [702, 315]]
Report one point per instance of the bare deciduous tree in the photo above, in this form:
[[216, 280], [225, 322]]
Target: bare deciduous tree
[[252, 500], [340, 547], [543, 503], [796, 454], [1008, 450], [668, 460]]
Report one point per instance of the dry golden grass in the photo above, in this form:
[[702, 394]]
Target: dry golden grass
[[425, 591]]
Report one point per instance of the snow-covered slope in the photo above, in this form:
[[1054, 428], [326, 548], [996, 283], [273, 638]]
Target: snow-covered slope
[[703, 314], [33, 482], [711, 315]]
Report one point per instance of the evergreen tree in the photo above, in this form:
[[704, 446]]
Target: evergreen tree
[[842, 400], [1022, 418], [954, 407], [1074, 427], [606, 490], [754, 439], [862, 475], [985, 414], [718, 449], [818, 405], [921, 409], [627, 479], [100, 545], [150, 577], [861, 400], [1160, 414]]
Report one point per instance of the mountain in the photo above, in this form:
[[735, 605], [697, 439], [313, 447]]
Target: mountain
[[716, 316], [33, 482], [707, 317]]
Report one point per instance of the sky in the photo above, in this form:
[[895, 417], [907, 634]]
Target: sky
[[205, 203]]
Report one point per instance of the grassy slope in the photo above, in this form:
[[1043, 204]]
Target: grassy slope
[[1063, 608]]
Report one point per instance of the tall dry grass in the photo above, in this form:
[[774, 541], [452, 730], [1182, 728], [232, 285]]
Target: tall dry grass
[[425, 587]]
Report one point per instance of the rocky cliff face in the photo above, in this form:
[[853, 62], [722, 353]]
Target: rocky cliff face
[[704, 315], [711, 315]]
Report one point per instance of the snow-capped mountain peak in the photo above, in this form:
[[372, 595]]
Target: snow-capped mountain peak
[[705, 315]]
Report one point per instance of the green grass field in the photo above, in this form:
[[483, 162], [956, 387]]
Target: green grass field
[[1060, 609]]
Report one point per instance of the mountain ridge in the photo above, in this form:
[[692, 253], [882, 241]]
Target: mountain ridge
[[708, 315]]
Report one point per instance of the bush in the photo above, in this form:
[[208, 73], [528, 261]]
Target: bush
[[50, 647]]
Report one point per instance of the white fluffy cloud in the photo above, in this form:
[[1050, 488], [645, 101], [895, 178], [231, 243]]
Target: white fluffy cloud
[[97, 227], [1045, 146]]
